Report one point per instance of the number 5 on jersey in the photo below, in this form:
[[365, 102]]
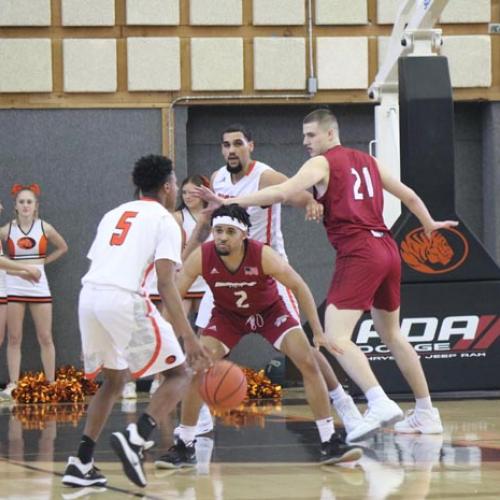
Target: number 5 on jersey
[[122, 227]]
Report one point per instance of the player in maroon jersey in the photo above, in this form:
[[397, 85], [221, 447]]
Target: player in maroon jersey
[[242, 275], [349, 184]]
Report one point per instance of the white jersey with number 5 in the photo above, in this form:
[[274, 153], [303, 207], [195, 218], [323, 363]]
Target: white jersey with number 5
[[130, 238]]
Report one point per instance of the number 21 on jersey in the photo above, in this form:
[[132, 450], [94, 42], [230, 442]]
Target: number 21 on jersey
[[358, 183], [122, 228]]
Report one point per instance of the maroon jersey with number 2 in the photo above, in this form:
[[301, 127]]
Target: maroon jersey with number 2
[[245, 300]]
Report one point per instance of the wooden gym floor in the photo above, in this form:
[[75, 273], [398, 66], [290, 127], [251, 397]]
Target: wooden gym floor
[[264, 452]]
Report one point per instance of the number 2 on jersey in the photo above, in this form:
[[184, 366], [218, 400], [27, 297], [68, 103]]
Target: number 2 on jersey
[[241, 302], [358, 194], [123, 227]]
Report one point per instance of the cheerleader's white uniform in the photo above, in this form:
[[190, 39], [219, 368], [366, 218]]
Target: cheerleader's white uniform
[[24, 246]]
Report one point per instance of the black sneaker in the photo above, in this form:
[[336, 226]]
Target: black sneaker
[[336, 450], [128, 445], [179, 455], [78, 474]]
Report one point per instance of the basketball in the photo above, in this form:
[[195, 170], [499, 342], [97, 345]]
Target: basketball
[[224, 385]]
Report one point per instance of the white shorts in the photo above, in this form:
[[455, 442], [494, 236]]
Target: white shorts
[[21, 290], [122, 329], [207, 303]]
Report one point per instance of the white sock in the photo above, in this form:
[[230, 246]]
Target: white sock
[[325, 429], [375, 393], [337, 394], [423, 403], [187, 433]]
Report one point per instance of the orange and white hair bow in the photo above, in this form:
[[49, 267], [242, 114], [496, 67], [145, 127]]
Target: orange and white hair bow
[[17, 188]]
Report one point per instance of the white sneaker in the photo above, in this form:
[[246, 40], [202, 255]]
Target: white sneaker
[[129, 391], [204, 425], [420, 421], [348, 413], [154, 386], [381, 412], [6, 394]]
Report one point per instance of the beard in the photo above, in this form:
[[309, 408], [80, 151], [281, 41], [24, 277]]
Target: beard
[[222, 253], [234, 170]]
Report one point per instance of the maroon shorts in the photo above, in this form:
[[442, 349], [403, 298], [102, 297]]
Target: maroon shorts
[[367, 274], [230, 328]]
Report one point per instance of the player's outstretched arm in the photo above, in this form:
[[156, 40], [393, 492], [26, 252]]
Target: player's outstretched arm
[[312, 172], [280, 270], [196, 354], [200, 233], [302, 199], [412, 201]]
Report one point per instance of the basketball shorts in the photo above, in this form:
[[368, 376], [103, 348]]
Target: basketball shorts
[[195, 292], [3, 288], [367, 273], [121, 329], [272, 324], [207, 304], [21, 290]]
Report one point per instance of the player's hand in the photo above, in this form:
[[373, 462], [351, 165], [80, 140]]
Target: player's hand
[[213, 201], [198, 356], [314, 211], [439, 224], [32, 274], [321, 340]]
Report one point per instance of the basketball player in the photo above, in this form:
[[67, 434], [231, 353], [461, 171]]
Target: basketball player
[[122, 331], [349, 184], [242, 274], [243, 175]]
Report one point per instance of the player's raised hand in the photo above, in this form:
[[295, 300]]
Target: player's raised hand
[[206, 194]]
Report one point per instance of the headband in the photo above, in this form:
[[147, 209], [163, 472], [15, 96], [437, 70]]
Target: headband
[[229, 221], [17, 188]]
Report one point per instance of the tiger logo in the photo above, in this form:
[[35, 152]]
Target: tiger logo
[[26, 243], [434, 255]]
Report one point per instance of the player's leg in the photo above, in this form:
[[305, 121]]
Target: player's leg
[[98, 351], [342, 402], [286, 335], [339, 326], [42, 318], [183, 454], [424, 418], [296, 346]]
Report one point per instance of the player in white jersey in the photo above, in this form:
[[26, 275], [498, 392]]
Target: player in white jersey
[[186, 215], [122, 331], [243, 175]]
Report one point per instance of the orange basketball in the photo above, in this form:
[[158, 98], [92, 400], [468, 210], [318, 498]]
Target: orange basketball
[[224, 385]]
